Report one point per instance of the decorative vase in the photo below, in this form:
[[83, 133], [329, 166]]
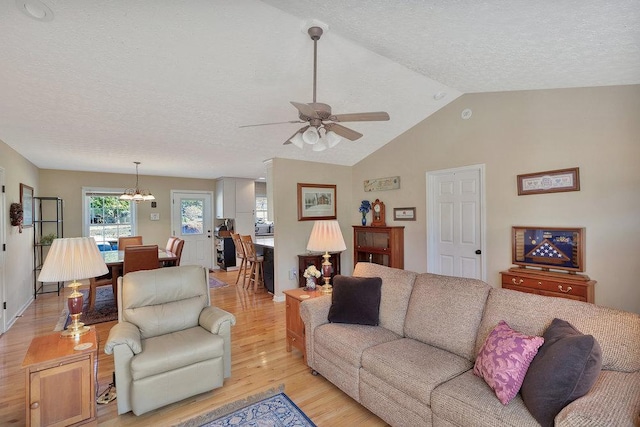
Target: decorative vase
[[364, 219], [311, 284]]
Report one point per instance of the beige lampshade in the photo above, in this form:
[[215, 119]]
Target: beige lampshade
[[72, 258], [326, 237]]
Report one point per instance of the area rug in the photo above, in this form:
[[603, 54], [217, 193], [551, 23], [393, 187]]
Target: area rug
[[105, 309], [272, 408], [215, 283]]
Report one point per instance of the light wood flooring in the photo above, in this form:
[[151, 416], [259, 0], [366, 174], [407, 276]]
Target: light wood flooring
[[259, 362]]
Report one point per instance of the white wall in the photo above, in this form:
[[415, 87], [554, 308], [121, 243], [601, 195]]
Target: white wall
[[595, 129]]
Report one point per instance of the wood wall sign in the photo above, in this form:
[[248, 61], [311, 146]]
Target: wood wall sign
[[554, 181], [381, 184]]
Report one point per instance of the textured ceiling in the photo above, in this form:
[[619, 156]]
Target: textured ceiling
[[169, 83]]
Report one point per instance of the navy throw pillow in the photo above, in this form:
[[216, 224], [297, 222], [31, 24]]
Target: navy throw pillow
[[356, 300]]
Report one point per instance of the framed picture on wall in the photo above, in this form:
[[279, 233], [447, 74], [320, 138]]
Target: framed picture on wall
[[316, 201], [554, 181], [26, 200]]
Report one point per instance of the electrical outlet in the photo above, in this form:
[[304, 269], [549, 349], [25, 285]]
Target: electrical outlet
[[293, 274]]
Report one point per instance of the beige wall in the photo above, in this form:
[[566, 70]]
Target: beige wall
[[68, 185], [18, 258], [291, 235], [595, 129]]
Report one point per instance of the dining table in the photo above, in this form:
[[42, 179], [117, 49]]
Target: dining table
[[115, 262]]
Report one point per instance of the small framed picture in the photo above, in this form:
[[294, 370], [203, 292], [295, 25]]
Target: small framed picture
[[404, 214], [554, 181], [26, 200], [316, 201]]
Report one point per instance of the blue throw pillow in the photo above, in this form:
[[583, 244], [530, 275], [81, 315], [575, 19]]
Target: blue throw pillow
[[565, 368], [356, 300]]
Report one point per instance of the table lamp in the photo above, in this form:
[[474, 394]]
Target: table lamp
[[73, 259], [326, 237]]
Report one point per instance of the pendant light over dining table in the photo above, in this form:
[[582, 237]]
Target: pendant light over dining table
[[136, 194]]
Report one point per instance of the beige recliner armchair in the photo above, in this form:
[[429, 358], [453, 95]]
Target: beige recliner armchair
[[169, 342]]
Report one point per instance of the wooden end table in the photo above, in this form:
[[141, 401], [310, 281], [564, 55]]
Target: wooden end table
[[295, 325], [61, 381]]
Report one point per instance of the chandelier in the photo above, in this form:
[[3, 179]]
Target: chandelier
[[136, 194]]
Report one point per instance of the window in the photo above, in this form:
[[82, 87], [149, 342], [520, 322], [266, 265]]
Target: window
[[191, 216], [106, 217], [261, 209]]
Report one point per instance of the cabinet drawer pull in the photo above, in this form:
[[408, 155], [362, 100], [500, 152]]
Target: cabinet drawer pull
[[539, 283], [562, 290], [35, 405], [518, 282]]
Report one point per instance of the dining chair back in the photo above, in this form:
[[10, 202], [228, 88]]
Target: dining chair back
[[243, 270], [125, 241], [140, 257], [177, 250], [256, 273]]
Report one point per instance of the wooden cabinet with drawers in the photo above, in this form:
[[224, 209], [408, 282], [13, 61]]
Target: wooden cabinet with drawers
[[295, 325], [554, 284]]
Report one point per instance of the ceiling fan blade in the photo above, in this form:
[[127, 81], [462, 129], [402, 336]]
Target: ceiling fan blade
[[344, 132], [301, 130], [305, 110], [273, 123], [361, 117]]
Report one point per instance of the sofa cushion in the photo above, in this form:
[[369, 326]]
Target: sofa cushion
[[347, 342], [355, 300], [445, 311], [504, 359], [396, 291], [616, 331], [565, 368], [172, 351], [467, 401], [413, 367]]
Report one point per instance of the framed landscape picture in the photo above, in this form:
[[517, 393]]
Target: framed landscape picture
[[26, 200], [316, 201]]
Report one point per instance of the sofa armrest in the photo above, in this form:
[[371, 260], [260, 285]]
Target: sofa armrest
[[614, 400], [314, 312], [124, 333], [213, 319]]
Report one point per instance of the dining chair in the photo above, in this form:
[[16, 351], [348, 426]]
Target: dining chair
[[174, 245], [243, 270], [140, 257], [255, 261], [94, 283], [125, 241]]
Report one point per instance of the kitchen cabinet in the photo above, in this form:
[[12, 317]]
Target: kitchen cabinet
[[225, 198], [236, 199]]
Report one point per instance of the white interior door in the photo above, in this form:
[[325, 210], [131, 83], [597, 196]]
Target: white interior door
[[192, 221], [455, 223]]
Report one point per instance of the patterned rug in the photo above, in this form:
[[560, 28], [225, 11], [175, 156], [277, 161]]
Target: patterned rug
[[105, 309], [274, 410], [216, 283]]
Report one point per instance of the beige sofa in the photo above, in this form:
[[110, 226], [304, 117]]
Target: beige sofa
[[416, 367], [169, 342]]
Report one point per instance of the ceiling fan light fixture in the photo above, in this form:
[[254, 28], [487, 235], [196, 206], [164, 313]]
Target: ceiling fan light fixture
[[311, 136], [297, 140], [321, 145], [332, 138]]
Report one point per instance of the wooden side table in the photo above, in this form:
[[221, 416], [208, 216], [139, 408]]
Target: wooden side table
[[295, 325], [61, 381]]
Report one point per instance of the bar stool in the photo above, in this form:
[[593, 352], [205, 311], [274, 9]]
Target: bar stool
[[243, 270], [256, 275]]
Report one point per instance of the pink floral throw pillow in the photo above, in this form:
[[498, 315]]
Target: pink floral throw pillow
[[504, 359]]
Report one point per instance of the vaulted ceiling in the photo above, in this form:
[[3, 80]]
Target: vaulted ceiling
[[95, 85]]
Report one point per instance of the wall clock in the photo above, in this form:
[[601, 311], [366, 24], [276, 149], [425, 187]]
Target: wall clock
[[377, 208]]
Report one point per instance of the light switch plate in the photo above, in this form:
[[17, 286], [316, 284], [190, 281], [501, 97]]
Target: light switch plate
[[155, 217]]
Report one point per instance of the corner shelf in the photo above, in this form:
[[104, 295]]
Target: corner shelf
[[48, 219]]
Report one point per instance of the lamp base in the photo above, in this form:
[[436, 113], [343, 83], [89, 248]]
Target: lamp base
[[326, 289], [73, 333]]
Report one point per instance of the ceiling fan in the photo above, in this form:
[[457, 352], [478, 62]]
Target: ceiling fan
[[323, 129]]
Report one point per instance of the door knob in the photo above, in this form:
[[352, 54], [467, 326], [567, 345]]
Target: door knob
[[478, 252]]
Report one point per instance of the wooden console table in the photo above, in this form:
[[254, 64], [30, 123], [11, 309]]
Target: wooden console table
[[554, 284], [61, 381]]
